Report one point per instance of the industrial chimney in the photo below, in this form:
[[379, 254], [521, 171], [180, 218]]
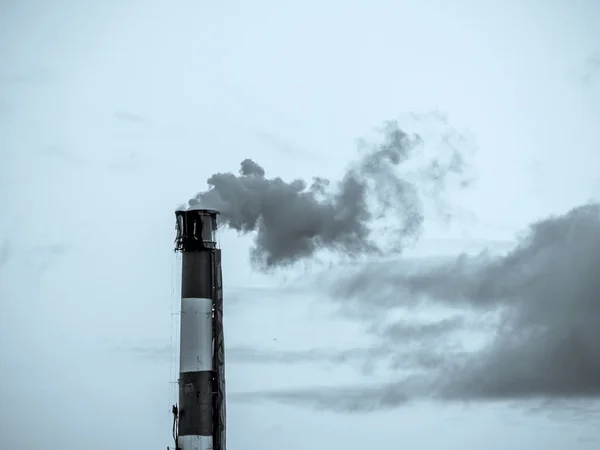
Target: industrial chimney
[[199, 419]]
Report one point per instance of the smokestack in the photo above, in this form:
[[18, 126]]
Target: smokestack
[[199, 419]]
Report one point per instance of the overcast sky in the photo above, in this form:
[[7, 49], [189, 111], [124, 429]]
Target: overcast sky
[[113, 113]]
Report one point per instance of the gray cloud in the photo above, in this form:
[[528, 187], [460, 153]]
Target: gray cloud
[[546, 347], [293, 220]]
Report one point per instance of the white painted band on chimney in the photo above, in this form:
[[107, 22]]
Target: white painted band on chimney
[[196, 343]]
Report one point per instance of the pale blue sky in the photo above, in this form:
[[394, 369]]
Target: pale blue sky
[[114, 112]]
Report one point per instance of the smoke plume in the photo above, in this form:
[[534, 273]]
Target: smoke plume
[[294, 219], [544, 296]]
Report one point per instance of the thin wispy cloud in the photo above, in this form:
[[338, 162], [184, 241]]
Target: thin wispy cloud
[[592, 68], [131, 161], [48, 254], [277, 144], [63, 153], [127, 116]]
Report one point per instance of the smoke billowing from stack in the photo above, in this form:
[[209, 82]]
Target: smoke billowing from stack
[[295, 219], [199, 419], [544, 343]]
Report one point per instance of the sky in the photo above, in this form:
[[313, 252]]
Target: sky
[[475, 329]]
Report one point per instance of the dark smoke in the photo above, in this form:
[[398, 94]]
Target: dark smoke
[[545, 295], [292, 220]]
